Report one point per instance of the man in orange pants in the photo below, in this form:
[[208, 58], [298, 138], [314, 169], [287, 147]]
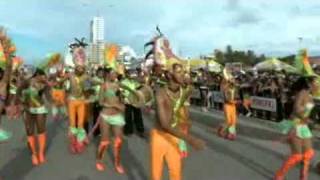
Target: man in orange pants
[[228, 130], [77, 109], [58, 95], [166, 134], [77, 99]]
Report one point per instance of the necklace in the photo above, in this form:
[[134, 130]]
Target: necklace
[[176, 102], [171, 95]]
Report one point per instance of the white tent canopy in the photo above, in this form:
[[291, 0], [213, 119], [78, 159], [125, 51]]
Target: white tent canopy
[[274, 64], [212, 66]]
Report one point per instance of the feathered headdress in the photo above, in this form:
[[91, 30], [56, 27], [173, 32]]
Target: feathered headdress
[[304, 68], [162, 53], [78, 51], [16, 62], [7, 48], [2, 57], [111, 54], [50, 61], [302, 63]]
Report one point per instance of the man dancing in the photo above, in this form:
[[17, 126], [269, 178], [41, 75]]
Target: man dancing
[[166, 134], [77, 99], [58, 94], [228, 130]]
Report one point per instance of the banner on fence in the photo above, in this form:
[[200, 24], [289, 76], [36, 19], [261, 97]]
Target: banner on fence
[[217, 96], [267, 104]]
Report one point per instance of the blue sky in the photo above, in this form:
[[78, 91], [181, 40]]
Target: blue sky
[[193, 26]]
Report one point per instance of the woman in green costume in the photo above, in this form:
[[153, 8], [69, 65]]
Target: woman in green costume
[[111, 117], [299, 134], [32, 94]]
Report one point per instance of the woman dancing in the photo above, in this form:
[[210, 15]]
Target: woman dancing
[[111, 117], [35, 115], [299, 134]]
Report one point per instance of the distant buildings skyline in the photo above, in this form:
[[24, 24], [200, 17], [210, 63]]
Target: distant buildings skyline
[[97, 40]]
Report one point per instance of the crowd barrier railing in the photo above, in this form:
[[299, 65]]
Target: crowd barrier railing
[[261, 107]]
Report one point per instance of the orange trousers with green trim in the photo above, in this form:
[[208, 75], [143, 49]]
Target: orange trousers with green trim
[[230, 114], [164, 148], [77, 113]]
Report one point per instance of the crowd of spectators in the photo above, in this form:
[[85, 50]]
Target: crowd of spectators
[[267, 84]]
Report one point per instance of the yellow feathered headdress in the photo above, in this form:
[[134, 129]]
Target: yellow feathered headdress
[[302, 63], [50, 61], [111, 55], [16, 62], [7, 48]]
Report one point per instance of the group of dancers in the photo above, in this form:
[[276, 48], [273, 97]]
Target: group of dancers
[[110, 92]]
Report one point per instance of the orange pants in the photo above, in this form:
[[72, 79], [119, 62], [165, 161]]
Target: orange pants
[[58, 97], [230, 114], [77, 111], [164, 147]]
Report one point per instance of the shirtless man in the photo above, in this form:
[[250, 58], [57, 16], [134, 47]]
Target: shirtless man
[[166, 134], [77, 109]]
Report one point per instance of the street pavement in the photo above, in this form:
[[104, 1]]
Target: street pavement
[[255, 155]]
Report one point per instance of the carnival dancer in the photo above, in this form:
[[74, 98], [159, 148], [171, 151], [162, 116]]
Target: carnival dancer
[[170, 98], [95, 106], [228, 130], [165, 136], [184, 114], [58, 92], [299, 134], [77, 99], [111, 117], [32, 93], [7, 53]]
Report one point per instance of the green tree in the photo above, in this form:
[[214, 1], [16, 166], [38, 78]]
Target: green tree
[[229, 54], [219, 55]]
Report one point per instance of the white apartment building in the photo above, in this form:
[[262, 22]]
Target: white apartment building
[[96, 45]]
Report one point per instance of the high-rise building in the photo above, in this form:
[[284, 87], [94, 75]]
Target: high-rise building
[[97, 29], [96, 46]]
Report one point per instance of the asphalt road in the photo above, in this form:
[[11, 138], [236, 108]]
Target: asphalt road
[[255, 155]]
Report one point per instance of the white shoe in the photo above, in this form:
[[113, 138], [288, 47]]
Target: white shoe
[[248, 114]]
